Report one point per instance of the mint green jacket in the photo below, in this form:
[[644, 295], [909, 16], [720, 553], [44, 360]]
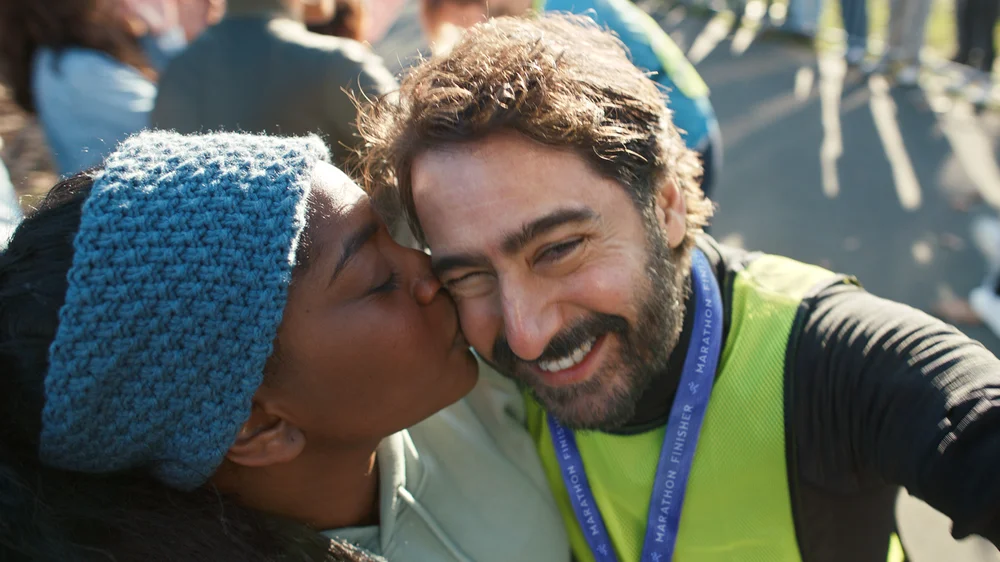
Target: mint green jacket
[[465, 485]]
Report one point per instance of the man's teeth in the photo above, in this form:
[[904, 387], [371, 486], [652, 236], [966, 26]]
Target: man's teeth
[[568, 361]]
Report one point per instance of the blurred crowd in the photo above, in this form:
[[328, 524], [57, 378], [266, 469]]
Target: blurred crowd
[[94, 72], [900, 57]]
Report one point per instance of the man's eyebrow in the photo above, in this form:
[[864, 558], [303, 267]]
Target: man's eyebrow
[[516, 241], [513, 242], [352, 244]]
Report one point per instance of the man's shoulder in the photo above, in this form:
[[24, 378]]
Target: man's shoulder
[[330, 49], [771, 271], [343, 63]]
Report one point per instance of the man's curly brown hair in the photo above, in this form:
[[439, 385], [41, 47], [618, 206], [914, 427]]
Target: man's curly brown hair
[[558, 80]]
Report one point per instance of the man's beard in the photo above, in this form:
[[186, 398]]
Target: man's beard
[[608, 399]]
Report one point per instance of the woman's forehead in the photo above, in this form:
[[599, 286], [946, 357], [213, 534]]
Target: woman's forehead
[[337, 208], [335, 189]]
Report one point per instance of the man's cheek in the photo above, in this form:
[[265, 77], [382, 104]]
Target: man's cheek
[[480, 326], [605, 289]]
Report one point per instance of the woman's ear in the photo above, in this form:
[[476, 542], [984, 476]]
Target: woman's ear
[[266, 439]]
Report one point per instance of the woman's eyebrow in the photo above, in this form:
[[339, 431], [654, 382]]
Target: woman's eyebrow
[[352, 244]]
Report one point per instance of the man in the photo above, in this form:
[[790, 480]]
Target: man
[[648, 45], [562, 212], [260, 70]]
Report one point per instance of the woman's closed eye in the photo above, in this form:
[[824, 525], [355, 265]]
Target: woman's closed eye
[[387, 286]]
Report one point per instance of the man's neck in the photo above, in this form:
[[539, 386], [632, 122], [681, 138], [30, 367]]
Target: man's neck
[[654, 406]]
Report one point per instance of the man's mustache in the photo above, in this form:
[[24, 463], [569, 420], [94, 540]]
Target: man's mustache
[[563, 343]]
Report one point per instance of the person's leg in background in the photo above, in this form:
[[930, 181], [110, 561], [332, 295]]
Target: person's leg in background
[[982, 16], [855, 16], [963, 29], [802, 17], [982, 46], [975, 22], [907, 29]]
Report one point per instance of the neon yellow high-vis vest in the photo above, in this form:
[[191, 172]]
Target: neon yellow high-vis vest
[[738, 505]]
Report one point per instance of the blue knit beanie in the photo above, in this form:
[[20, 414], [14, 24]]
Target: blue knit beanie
[[178, 283]]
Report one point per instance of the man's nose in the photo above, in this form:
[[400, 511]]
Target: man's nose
[[530, 322]]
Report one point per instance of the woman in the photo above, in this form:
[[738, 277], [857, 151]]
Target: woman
[[223, 321], [80, 67]]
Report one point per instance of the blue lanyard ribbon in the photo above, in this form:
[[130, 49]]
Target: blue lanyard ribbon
[[679, 441]]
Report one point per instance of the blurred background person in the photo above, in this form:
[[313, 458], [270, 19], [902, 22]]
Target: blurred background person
[[10, 210], [80, 67], [260, 70], [196, 15], [350, 20], [976, 21], [647, 43], [158, 26], [802, 17], [907, 30], [983, 304], [855, 16]]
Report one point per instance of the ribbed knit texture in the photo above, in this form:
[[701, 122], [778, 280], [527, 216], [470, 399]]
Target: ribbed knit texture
[[179, 280]]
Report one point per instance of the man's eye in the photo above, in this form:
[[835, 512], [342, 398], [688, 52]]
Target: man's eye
[[557, 251], [463, 280], [471, 285]]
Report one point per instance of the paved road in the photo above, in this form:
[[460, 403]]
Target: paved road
[[828, 168]]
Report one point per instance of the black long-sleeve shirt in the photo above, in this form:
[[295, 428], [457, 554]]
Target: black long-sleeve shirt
[[878, 395]]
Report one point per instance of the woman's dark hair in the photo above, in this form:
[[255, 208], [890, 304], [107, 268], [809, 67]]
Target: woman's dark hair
[[48, 514], [28, 25], [348, 21]]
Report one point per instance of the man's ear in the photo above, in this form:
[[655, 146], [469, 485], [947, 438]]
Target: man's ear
[[671, 213], [266, 439]]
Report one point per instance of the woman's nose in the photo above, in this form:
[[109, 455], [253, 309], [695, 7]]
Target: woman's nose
[[424, 285], [425, 288]]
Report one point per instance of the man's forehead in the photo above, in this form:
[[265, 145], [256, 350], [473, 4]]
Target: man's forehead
[[483, 225], [470, 197]]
